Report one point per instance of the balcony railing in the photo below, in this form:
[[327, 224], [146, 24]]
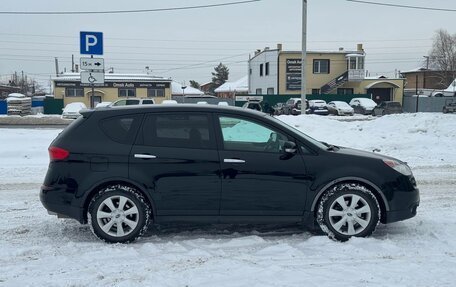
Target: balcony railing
[[356, 75]]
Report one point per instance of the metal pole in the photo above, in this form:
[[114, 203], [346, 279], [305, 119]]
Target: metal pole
[[304, 57]]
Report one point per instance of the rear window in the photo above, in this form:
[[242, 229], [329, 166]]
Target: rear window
[[148, 102], [121, 129]]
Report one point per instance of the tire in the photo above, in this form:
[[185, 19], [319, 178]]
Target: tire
[[106, 214], [348, 210]]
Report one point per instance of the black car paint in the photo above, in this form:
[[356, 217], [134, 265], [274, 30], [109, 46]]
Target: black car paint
[[196, 185]]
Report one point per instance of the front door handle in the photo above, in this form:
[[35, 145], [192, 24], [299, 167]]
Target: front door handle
[[233, 160], [144, 156]]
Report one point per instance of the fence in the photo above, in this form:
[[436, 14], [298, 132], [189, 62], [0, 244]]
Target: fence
[[425, 104], [274, 99], [53, 106], [3, 107]]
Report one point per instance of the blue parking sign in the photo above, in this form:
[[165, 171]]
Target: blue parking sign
[[91, 43]]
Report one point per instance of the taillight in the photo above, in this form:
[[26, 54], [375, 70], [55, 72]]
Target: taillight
[[56, 153]]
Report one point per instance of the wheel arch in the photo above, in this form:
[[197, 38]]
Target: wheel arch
[[381, 198], [109, 182]]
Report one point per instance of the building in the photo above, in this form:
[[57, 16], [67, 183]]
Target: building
[[425, 81], [68, 87], [230, 90], [5, 90], [274, 71], [187, 91]]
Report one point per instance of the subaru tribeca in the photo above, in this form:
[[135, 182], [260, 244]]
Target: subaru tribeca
[[121, 169]]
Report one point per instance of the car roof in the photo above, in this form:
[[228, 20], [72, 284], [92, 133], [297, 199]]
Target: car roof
[[120, 110]]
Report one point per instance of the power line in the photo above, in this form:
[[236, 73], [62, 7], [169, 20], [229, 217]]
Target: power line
[[124, 11], [403, 6]]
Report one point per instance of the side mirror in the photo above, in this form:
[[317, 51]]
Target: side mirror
[[289, 147]]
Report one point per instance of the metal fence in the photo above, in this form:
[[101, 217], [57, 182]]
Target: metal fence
[[425, 104]]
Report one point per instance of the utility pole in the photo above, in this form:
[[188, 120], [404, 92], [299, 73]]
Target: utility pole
[[56, 67], [304, 57]]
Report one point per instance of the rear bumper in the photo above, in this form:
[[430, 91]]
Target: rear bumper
[[56, 200]]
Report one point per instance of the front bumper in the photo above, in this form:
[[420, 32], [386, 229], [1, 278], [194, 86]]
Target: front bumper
[[408, 202]]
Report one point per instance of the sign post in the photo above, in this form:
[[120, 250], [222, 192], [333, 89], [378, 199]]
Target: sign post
[[91, 43]]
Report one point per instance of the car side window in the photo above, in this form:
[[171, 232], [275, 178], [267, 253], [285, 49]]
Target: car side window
[[121, 129], [245, 135], [132, 102], [120, 103], [181, 130]]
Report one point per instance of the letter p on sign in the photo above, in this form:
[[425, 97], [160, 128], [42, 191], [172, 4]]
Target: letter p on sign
[[91, 43]]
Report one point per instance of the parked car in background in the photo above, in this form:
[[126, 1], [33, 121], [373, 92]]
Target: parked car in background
[[223, 104], [340, 108], [449, 107], [317, 107], [293, 106], [169, 102], [278, 108], [363, 106], [72, 110], [387, 108], [103, 105], [120, 170], [132, 101], [253, 105]]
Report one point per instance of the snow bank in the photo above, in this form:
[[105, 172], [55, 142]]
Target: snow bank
[[420, 139]]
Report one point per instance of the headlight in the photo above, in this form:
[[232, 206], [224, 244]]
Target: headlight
[[399, 167]]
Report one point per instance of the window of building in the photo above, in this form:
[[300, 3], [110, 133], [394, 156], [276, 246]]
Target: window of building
[[315, 91], [267, 69], [259, 91], [74, 92], [321, 66], [181, 130], [155, 92], [127, 92], [261, 70], [270, 91], [250, 71], [345, 91]]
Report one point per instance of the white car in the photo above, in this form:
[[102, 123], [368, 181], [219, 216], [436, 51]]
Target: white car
[[363, 105], [340, 108], [103, 105], [132, 101], [169, 102], [223, 104], [72, 110]]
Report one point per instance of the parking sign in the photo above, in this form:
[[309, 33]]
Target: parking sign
[[91, 43]]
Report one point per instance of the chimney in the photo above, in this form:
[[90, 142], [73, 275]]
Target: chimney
[[257, 52], [360, 48], [341, 49], [279, 47], [266, 48]]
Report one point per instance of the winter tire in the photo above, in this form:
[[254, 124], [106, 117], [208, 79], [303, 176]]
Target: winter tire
[[119, 214], [348, 210]]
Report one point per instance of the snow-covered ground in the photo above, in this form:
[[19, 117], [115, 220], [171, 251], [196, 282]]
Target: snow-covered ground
[[40, 250]]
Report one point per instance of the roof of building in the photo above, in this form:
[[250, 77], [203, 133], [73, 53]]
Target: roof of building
[[188, 91], [241, 85], [112, 77]]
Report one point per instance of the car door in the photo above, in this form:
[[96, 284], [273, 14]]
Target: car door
[[258, 179], [176, 158]]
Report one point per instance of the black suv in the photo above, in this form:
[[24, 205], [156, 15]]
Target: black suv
[[121, 169]]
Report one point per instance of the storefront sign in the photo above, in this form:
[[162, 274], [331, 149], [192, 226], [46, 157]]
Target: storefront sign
[[162, 85], [293, 74]]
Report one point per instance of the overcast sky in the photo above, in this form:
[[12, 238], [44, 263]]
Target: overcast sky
[[187, 44]]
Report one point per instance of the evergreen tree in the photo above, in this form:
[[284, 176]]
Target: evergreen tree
[[220, 76], [194, 84]]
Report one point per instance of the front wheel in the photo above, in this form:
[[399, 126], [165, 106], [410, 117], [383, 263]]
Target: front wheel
[[348, 210], [119, 214]]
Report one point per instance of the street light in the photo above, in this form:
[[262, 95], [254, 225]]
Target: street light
[[183, 93], [304, 57]]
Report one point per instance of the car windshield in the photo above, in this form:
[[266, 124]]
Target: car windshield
[[367, 102], [295, 130]]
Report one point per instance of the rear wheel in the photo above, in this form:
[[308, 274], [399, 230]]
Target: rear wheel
[[348, 210], [119, 214]]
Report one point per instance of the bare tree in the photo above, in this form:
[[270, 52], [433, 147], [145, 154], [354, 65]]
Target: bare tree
[[442, 57]]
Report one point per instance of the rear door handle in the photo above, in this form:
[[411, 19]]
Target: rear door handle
[[233, 160], [144, 156]]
